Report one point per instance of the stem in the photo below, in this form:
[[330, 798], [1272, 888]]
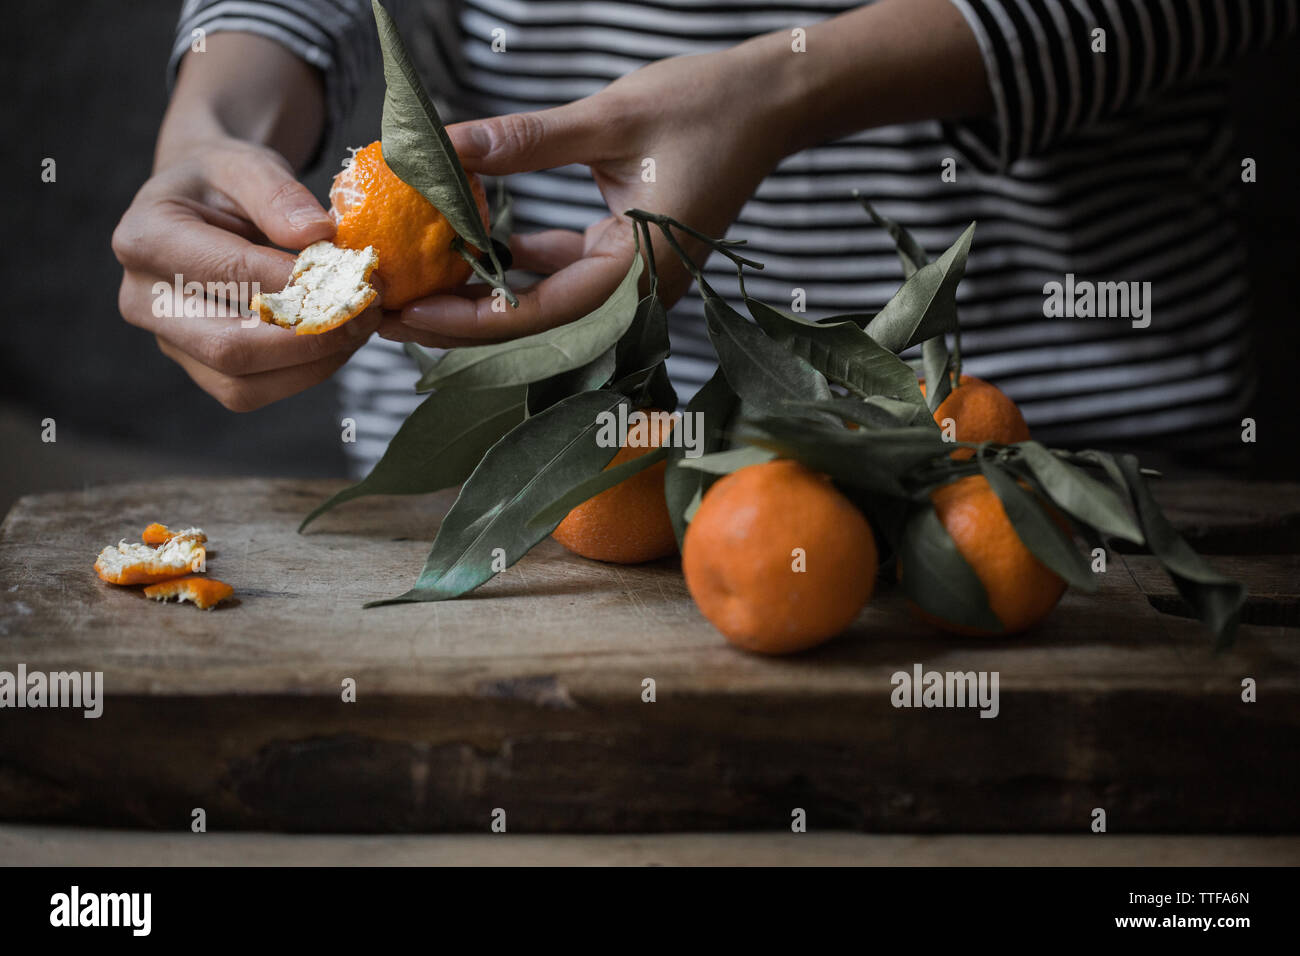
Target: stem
[[497, 281], [1077, 459], [682, 254], [502, 207], [644, 227], [723, 246], [740, 279]]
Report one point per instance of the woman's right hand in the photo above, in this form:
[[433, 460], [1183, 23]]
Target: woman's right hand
[[212, 217], [217, 204]]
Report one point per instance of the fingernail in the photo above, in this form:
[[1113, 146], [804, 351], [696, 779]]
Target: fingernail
[[305, 216], [480, 141]]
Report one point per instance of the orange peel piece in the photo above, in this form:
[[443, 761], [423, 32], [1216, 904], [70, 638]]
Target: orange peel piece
[[204, 593], [329, 286], [156, 535], [130, 563]]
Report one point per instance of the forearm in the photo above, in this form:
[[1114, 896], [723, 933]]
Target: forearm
[[891, 62], [244, 87], [1040, 71]]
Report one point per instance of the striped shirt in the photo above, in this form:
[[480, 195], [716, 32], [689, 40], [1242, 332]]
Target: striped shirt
[[1108, 156]]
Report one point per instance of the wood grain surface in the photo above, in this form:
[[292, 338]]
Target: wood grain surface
[[527, 695]]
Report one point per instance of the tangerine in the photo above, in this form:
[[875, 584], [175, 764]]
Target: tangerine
[[372, 207], [1021, 589], [628, 523], [980, 411], [778, 559]]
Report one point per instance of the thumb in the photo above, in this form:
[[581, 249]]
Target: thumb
[[281, 207], [524, 142]]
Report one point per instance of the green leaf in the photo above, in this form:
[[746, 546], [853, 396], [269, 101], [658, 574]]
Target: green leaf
[[860, 319], [415, 143], [503, 224], [1036, 529], [937, 365], [423, 360], [926, 305], [649, 388], [878, 411], [715, 404], [909, 250], [1106, 462], [544, 354], [645, 343], [639, 371], [595, 374], [871, 460], [842, 352], [1080, 495], [1216, 598], [555, 512], [725, 462], [937, 362], [692, 507], [933, 573], [760, 371], [437, 446], [532, 465]]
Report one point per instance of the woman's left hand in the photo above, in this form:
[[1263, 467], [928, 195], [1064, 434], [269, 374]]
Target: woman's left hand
[[690, 137]]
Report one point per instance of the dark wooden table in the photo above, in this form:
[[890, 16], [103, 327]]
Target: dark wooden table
[[527, 695]]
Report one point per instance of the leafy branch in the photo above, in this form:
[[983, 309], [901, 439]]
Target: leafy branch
[[419, 152]]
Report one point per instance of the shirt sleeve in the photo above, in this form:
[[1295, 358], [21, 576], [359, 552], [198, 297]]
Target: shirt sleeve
[[1050, 80], [338, 37]]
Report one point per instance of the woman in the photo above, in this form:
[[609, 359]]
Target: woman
[[1087, 137]]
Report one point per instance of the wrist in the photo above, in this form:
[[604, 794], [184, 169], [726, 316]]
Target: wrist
[[769, 73], [811, 92], [186, 128], [894, 61], [248, 88]]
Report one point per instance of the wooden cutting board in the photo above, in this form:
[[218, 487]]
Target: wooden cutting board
[[528, 695]]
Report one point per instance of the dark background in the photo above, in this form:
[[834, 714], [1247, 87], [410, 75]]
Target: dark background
[[85, 86]]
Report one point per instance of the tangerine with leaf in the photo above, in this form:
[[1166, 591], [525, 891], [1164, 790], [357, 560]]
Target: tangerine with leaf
[[1021, 590], [628, 523], [412, 240], [980, 411]]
